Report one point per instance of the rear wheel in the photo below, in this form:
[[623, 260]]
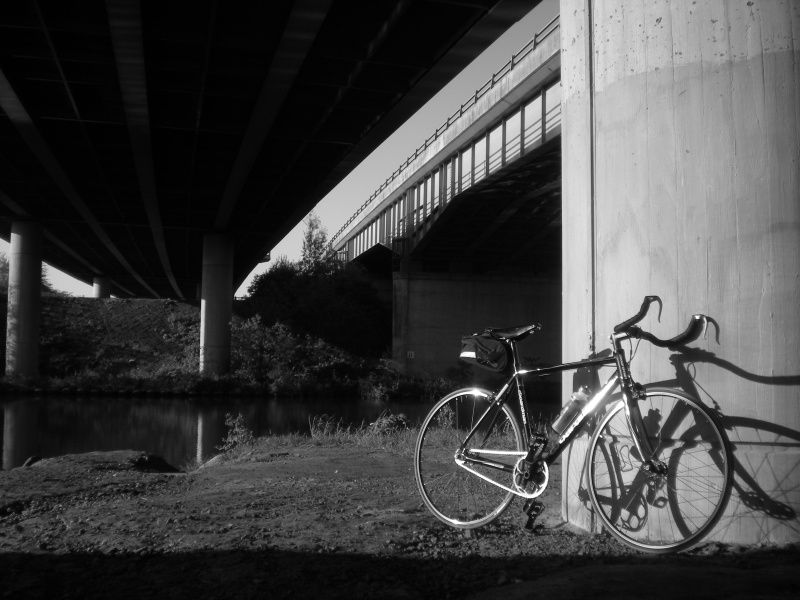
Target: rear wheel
[[453, 494], [660, 512]]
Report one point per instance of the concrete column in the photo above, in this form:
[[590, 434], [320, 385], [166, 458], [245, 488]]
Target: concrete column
[[101, 287], [24, 300], [577, 241], [216, 304], [681, 146]]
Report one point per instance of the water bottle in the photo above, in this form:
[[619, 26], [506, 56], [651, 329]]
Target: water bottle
[[570, 411]]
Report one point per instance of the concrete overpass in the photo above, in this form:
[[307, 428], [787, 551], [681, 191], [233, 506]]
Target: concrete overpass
[[157, 148]]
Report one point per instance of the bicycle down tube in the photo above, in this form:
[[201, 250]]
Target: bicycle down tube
[[467, 455]]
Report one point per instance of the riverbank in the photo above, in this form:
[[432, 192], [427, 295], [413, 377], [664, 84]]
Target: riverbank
[[329, 516], [150, 348]]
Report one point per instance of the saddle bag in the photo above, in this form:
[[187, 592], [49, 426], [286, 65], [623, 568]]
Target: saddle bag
[[485, 351]]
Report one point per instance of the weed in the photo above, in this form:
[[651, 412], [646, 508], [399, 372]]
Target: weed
[[388, 432], [239, 436], [387, 423]]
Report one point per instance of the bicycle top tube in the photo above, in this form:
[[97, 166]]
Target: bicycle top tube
[[589, 362]]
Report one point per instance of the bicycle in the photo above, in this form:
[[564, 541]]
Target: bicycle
[[658, 465]]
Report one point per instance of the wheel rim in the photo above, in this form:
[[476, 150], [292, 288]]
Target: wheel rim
[[452, 494], [660, 512]]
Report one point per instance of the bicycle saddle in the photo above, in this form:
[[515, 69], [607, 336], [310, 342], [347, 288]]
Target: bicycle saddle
[[514, 334]]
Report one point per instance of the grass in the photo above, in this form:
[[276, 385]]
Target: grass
[[389, 432]]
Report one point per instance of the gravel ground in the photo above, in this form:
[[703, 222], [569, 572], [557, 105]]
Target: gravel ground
[[318, 521]]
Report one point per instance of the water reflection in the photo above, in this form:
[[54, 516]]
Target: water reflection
[[179, 430], [19, 433], [210, 431]]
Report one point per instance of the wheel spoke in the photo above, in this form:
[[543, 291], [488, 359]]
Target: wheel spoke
[[660, 512], [461, 499]]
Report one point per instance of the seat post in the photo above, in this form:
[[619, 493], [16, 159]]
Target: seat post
[[515, 355]]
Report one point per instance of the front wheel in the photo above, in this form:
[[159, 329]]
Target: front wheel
[[668, 511], [455, 496]]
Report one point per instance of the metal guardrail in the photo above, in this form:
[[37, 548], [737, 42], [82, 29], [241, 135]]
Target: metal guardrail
[[470, 102]]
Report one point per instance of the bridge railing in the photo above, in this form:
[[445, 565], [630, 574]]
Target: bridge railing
[[525, 128]]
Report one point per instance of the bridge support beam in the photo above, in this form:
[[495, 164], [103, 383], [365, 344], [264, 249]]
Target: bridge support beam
[[24, 300], [216, 304], [101, 287], [680, 147]]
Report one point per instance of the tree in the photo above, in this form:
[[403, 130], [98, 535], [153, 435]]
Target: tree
[[47, 288], [315, 259], [322, 296], [3, 273]]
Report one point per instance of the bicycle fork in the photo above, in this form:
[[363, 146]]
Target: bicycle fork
[[632, 393]]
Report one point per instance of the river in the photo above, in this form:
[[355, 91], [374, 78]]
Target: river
[[180, 430]]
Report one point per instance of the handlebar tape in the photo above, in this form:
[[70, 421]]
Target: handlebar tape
[[695, 329], [648, 300]]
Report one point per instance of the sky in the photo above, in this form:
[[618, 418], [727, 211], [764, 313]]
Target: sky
[[335, 208]]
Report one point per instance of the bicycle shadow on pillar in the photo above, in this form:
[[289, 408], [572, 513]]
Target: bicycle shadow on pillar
[[653, 506], [766, 468], [765, 463]]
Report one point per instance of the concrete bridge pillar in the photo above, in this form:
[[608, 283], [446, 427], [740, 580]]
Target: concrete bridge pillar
[[216, 304], [101, 287], [681, 146], [24, 300]]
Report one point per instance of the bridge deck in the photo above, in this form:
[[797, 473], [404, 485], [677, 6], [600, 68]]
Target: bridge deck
[[499, 152]]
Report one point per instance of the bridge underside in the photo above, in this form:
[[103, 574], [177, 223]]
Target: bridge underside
[[131, 130]]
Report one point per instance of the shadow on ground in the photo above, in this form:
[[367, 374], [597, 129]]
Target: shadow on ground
[[728, 573]]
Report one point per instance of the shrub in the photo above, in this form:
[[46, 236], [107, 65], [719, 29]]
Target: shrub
[[337, 304], [288, 363]]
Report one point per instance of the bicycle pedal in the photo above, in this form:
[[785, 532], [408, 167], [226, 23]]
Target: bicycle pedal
[[533, 508]]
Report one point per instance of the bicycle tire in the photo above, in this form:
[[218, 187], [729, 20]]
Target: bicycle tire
[[454, 495], [697, 484]]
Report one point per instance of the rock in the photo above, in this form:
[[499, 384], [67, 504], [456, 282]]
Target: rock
[[388, 423], [31, 460], [214, 460], [150, 463]]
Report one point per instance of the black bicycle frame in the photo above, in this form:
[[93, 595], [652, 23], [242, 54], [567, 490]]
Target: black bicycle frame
[[517, 379], [622, 376]]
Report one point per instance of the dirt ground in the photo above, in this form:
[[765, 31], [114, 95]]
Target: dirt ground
[[309, 521]]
